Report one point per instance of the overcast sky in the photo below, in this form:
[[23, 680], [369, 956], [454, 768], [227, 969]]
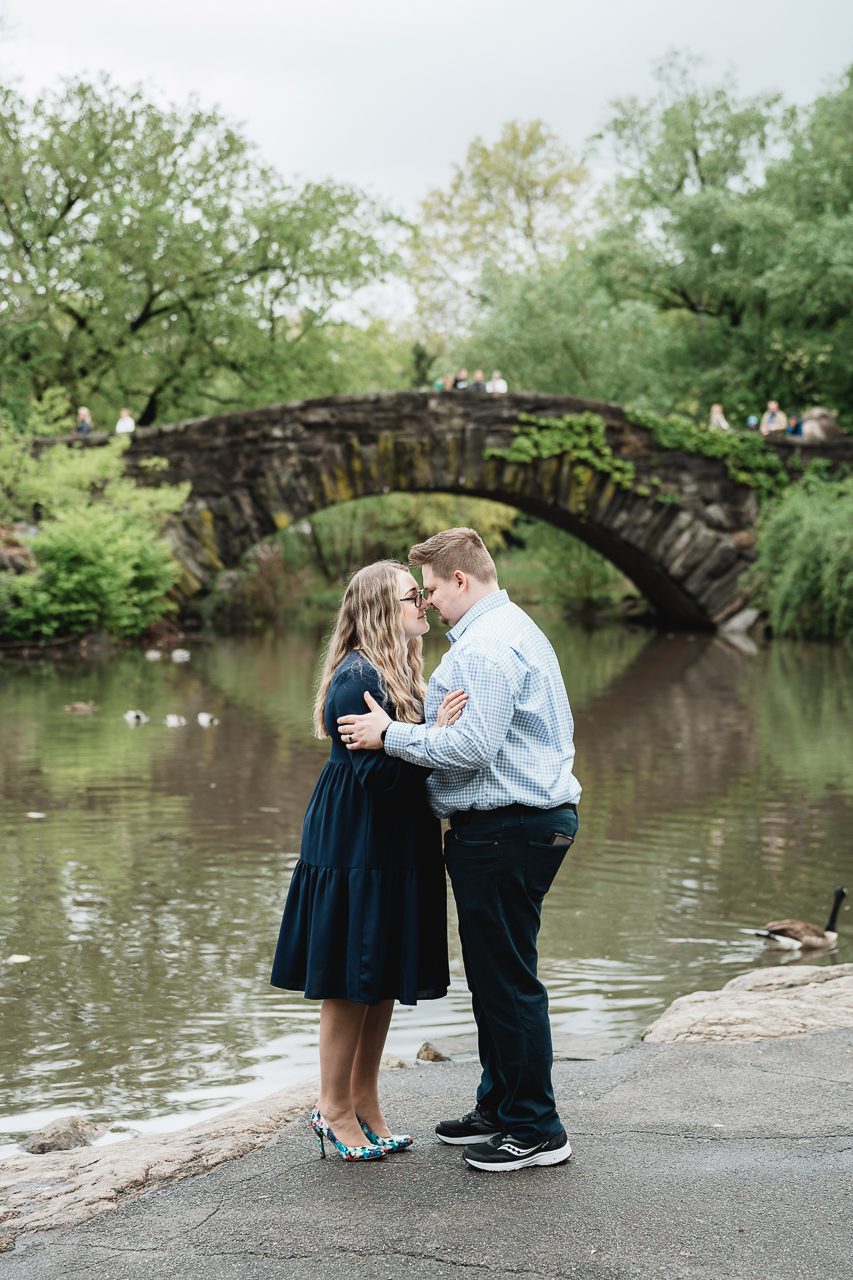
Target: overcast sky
[[387, 94]]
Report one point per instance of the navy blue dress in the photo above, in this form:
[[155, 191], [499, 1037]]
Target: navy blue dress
[[366, 914]]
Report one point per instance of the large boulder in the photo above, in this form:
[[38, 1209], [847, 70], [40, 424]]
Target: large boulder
[[779, 1001]]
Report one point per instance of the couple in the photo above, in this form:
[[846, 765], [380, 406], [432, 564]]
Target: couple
[[488, 746]]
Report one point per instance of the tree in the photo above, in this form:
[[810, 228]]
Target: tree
[[557, 329], [151, 259], [733, 218], [511, 205]]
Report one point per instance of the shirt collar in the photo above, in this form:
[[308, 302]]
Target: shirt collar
[[493, 601]]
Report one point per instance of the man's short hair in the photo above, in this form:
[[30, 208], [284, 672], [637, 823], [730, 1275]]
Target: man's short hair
[[455, 549]]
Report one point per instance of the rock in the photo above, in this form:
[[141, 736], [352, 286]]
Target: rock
[[390, 1063], [429, 1053], [63, 1188], [62, 1135], [741, 621], [761, 1004]]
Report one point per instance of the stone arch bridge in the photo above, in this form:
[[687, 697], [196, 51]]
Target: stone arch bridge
[[256, 471]]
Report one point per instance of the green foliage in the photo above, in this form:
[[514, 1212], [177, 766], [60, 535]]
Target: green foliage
[[36, 479], [718, 265], [511, 205], [100, 561], [545, 567], [805, 559], [95, 573], [582, 436], [302, 570], [299, 574], [745, 454], [734, 219], [557, 328], [151, 260], [51, 414]]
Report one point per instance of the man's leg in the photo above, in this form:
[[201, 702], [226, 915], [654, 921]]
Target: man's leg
[[492, 1088], [500, 875]]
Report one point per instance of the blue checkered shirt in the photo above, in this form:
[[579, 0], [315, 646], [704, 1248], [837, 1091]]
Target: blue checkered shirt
[[513, 742]]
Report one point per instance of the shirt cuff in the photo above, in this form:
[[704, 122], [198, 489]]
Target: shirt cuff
[[400, 742]]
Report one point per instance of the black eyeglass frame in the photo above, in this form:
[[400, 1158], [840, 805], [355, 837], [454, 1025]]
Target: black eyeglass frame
[[420, 597]]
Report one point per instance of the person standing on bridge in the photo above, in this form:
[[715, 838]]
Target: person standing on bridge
[[773, 419], [502, 775], [365, 922], [84, 424]]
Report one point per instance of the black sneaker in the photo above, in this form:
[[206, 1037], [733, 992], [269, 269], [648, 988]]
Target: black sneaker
[[476, 1126], [505, 1152]]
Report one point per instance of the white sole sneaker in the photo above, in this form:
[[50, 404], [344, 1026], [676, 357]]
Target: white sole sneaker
[[560, 1156], [466, 1142]]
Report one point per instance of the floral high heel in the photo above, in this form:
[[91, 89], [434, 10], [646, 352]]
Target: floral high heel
[[394, 1142], [320, 1125]]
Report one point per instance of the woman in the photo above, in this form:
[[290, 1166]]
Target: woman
[[365, 918]]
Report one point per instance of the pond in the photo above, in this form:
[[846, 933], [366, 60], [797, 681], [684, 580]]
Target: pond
[[718, 794]]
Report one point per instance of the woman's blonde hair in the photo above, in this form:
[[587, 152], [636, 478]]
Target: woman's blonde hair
[[370, 620]]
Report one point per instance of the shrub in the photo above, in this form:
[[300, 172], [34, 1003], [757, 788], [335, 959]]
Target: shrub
[[97, 571], [805, 558]]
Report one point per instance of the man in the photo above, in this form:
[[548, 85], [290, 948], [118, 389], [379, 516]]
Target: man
[[503, 776], [773, 419], [125, 424]]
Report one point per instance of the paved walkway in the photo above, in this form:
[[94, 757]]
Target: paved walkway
[[709, 1161]]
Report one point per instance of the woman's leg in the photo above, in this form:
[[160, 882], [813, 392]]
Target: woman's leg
[[365, 1068], [341, 1023]]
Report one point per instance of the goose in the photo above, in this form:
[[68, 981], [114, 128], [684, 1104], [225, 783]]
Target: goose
[[207, 719], [173, 721], [799, 935], [80, 708], [180, 655], [153, 655], [135, 717]]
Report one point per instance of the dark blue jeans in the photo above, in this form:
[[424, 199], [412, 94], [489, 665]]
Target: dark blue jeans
[[501, 864]]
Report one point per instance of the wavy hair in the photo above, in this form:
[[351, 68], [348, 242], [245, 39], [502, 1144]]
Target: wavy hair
[[370, 620]]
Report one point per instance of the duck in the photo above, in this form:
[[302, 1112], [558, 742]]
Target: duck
[[799, 935], [207, 719], [181, 655], [135, 717], [153, 655], [80, 708], [173, 721]]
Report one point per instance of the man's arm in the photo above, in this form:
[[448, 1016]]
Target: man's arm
[[471, 743]]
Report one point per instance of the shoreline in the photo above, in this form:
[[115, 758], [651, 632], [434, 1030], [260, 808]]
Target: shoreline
[[668, 1177], [66, 1188]]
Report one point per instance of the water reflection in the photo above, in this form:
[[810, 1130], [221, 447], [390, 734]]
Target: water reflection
[[717, 796]]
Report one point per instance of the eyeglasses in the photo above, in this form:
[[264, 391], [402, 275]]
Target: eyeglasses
[[421, 596]]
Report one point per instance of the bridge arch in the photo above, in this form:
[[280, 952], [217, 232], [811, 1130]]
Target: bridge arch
[[257, 471]]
